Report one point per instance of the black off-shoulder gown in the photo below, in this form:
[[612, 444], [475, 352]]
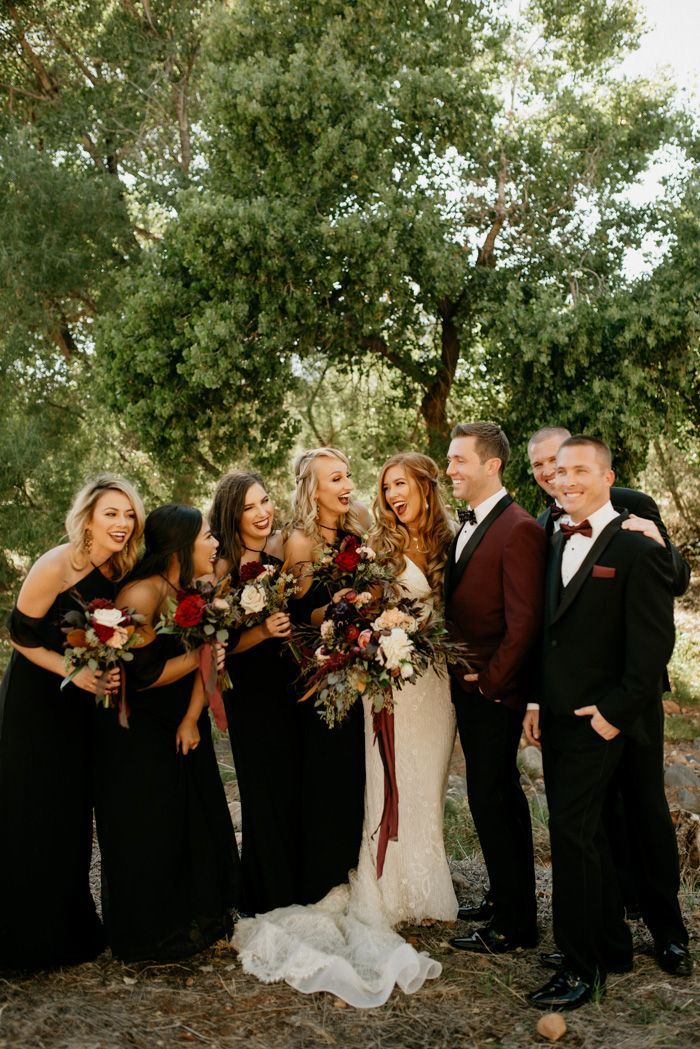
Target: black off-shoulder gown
[[47, 915], [332, 783], [170, 867], [263, 727]]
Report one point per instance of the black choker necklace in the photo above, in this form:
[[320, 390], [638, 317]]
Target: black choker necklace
[[329, 528], [252, 551]]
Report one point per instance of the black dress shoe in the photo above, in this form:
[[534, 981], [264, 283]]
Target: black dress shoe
[[490, 941], [481, 913], [565, 990], [674, 958], [556, 960]]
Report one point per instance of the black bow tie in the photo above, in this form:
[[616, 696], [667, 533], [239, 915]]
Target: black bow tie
[[467, 516]]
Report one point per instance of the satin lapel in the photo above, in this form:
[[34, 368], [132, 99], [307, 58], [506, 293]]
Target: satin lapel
[[474, 540], [553, 576], [581, 576], [449, 570]]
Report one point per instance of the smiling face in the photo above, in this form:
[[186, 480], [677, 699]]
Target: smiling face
[[583, 480], [333, 488], [204, 551], [255, 523], [543, 461], [472, 480], [403, 494], [111, 525]]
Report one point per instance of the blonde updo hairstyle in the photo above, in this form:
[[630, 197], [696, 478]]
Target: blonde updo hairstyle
[[392, 538], [304, 505], [80, 514]]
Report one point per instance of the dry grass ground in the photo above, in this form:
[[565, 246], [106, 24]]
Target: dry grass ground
[[477, 1002]]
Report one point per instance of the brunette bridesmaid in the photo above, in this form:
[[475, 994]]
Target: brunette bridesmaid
[[47, 914], [332, 760], [170, 869], [260, 708]]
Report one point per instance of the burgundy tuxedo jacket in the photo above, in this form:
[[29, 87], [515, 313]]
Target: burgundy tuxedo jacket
[[494, 598]]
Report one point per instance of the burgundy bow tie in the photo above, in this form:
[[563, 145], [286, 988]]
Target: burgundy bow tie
[[567, 530], [556, 511], [466, 516]]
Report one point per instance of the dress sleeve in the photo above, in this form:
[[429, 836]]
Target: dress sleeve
[[147, 665], [26, 630]]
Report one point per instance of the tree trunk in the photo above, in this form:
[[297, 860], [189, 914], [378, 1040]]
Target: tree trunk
[[434, 403]]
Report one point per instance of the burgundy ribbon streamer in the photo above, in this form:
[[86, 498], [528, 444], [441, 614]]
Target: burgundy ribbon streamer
[[207, 668], [383, 724], [122, 707]]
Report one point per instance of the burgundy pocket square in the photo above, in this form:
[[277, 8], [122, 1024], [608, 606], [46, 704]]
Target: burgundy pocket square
[[603, 572]]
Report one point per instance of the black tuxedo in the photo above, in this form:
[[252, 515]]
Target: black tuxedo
[[607, 638], [642, 505]]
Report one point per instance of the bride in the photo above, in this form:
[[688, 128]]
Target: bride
[[346, 943]]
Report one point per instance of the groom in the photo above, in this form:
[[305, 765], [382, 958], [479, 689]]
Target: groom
[[494, 580]]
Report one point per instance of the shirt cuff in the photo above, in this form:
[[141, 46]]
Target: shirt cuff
[[533, 706]]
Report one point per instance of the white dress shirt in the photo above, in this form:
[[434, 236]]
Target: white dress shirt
[[577, 547], [481, 511]]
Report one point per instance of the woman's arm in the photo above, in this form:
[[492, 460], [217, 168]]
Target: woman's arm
[[276, 625], [187, 736]]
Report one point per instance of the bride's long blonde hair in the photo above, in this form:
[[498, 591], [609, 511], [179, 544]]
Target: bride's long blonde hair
[[304, 505], [391, 537]]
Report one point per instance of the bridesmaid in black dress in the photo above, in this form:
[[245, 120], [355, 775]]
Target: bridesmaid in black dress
[[47, 915], [333, 760], [260, 708], [170, 869]]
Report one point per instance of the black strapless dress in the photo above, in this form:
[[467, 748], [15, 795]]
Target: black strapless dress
[[47, 915], [263, 726], [170, 867], [332, 783]]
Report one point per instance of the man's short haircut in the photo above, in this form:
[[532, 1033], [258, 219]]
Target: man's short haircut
[[545, 432], [490, 441], [584, 440]]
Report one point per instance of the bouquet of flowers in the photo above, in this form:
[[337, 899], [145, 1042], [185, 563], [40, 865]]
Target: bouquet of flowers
[[99, 636], [203, 615], [263, 589], [351, 563], [371, 645]]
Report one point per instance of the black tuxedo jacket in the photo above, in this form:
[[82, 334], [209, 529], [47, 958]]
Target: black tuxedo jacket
[[609, 634], [642, 505]]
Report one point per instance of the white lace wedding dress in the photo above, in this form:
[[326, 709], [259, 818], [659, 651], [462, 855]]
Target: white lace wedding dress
[[346, 943]]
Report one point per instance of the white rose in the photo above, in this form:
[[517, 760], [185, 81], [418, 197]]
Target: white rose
[[407, 670], [395, 647], [108, 616], [367, 552], [252, 599], [327, 630], [321, 656]]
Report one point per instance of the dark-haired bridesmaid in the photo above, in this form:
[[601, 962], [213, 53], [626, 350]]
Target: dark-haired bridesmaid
[[170, 868], [47, 914], [260, 707]]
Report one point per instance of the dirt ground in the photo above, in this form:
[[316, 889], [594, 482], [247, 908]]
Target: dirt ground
[[476, 1002]]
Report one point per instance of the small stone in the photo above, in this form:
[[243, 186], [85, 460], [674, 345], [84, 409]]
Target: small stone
[[340, 1004], [671, 707], [689, 800], [551, 1026], [531, 760], [678, 775], [457, 786]]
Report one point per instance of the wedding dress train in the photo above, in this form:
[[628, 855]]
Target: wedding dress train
[[346, 944]]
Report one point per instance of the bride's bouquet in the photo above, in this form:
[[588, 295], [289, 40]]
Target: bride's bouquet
[[203, 615], [262, 590], [372, 646], [100, 637], [351, 563]]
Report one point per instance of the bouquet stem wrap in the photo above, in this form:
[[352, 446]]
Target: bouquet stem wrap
[[207, 668], [383, 724]]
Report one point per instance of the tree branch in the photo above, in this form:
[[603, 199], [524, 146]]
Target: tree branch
[[46, 81], [486, 256], [408, 367]]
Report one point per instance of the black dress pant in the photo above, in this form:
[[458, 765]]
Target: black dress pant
[[490, 735], [652, 837], [588, 913]]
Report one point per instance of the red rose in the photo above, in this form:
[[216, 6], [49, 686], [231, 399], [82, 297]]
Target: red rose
[[190, 610], [250, 570], [350, 542], [347, 560], [99, 602], [103, 632], [351, 632]]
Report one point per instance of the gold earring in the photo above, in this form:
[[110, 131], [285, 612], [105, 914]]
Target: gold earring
[[87, 540]]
